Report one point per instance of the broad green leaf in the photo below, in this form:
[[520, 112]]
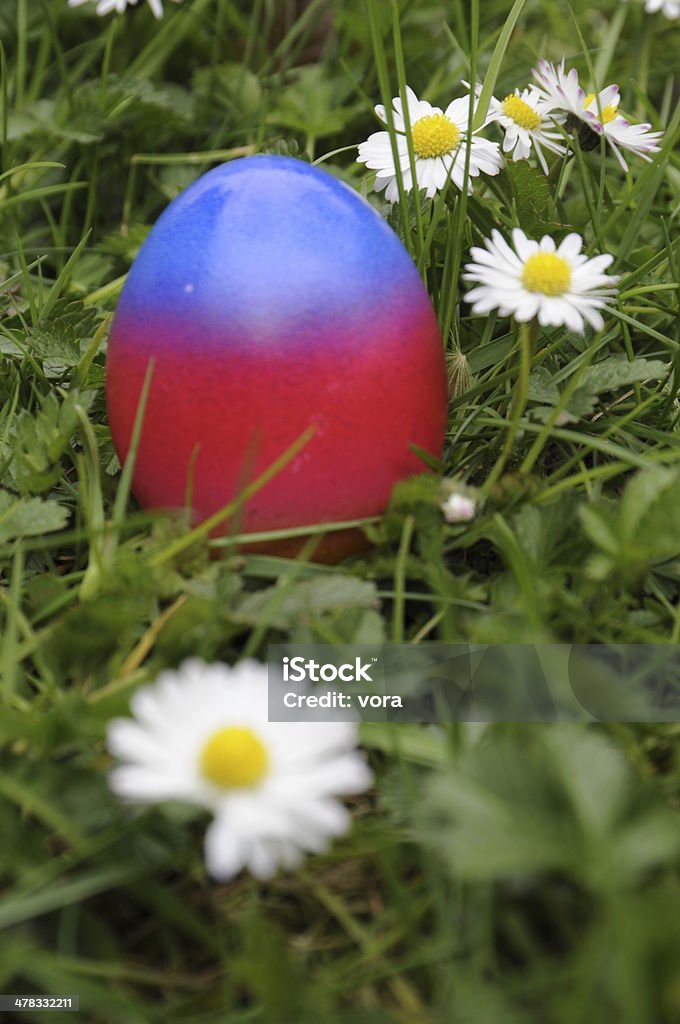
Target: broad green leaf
[[40, 441], [614, 373], [563, 801], [542, 387], [312, 104], [600, 525], [534, 200], [650, 509], [308, 599], [580, 756], [608, 375], [29, 517]]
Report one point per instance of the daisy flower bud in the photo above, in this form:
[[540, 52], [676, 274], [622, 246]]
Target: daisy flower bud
[[201, 735], [459, 507], [558, 286], [439, 139]]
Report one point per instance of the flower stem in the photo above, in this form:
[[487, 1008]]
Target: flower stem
[[527, 338]]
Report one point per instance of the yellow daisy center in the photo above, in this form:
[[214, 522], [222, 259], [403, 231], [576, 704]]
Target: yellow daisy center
[[434, 135], [521, 113], [608, 112], [234, 757], [547, 273]]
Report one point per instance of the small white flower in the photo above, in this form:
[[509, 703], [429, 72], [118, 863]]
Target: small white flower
[[201, 735], [595, 115], [528, 121], [439, 140], [109, 6], [536, 279], [561, 90], [671, 8], [459, 508], [620, 133]]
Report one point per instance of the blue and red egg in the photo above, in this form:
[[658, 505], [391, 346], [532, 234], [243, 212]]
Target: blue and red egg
[[273, 298]]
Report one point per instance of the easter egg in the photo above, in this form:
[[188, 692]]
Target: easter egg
[[274, 300]]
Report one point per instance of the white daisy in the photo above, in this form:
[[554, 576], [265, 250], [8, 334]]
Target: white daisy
[[537, 279], [528, 121], [109, 6], [561, 90], [594, 115], [459, 507], [201, 735], [671, 8], [439, 140], [620, 133]]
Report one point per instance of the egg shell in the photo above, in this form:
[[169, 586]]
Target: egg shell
[[272, 297]]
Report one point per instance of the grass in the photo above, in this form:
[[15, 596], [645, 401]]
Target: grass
[[508, 873]]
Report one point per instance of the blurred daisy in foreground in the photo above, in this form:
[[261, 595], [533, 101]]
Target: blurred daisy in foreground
[[671, 8], [200, 735], [620, 133], [439, 139], [537, 279], [109, 6], [528, 123]]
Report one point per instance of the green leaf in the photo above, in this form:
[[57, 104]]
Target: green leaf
[[307, 600], [528, 803], [40, 441], [507, 821], [32, 517], [47, 117], [645, 527], [600, 526], [546, 532], [57, 341], [608, 375], [534, 199], [614, 373], [542, 388], [581, 756], [126, 246], [651, 839], [650, 509], [231, 87], [313, 103], [644, 494]]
